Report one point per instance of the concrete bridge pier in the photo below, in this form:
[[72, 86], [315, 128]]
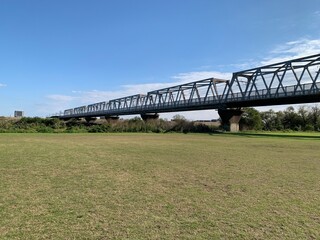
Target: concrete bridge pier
[[230, 118], [65, 119], [148, 116], [113, 118], [90, 119]]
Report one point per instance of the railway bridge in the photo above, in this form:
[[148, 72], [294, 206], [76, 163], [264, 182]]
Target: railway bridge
[[289, 82]]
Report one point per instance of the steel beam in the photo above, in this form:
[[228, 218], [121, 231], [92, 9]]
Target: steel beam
[[288, 82]]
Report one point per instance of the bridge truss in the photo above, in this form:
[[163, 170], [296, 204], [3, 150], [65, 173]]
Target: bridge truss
[[294, 81], [288, 82]]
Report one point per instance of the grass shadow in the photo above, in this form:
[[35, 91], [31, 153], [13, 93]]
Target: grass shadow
[[279, 135]]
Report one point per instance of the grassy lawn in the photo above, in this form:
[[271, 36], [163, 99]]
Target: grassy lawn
[[159, 186]]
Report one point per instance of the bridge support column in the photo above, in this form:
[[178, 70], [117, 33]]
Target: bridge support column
[[65, 119], [112, 118], [148, 116], [230, 118], [89, 119]]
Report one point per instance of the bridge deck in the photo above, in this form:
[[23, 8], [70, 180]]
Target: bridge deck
[[290, 82]]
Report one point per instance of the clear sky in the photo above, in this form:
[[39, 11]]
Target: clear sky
[[65, 53]]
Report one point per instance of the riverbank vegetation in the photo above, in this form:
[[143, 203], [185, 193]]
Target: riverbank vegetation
[[304, 118], [54, 125], [301, 119]]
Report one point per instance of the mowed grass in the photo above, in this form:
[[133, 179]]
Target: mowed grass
[[159, 186]]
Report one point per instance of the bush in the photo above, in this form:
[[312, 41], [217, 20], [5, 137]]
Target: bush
[[305, 119], [99, 129]]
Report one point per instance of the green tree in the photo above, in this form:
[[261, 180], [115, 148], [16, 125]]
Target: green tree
[[291, 120], [251, 118]]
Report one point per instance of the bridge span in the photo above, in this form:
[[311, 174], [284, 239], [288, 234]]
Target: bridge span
[[289, 82]]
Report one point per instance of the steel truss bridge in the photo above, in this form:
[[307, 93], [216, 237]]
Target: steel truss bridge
[[289, 82]]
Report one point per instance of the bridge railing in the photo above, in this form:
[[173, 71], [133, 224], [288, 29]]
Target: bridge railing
[[287, 91], [296, 77], [294, 72]]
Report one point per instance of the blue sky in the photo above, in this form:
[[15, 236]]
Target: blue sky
[[60, 54]]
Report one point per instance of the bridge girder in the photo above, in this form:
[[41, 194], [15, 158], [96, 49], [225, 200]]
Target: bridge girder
[[288, 82]]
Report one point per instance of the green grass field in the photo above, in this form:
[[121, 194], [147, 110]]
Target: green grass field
[[159, 186]]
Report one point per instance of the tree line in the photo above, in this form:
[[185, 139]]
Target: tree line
[[54, 125], [304, 118]]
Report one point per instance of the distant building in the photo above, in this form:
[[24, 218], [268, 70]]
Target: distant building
[[18, 113]]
